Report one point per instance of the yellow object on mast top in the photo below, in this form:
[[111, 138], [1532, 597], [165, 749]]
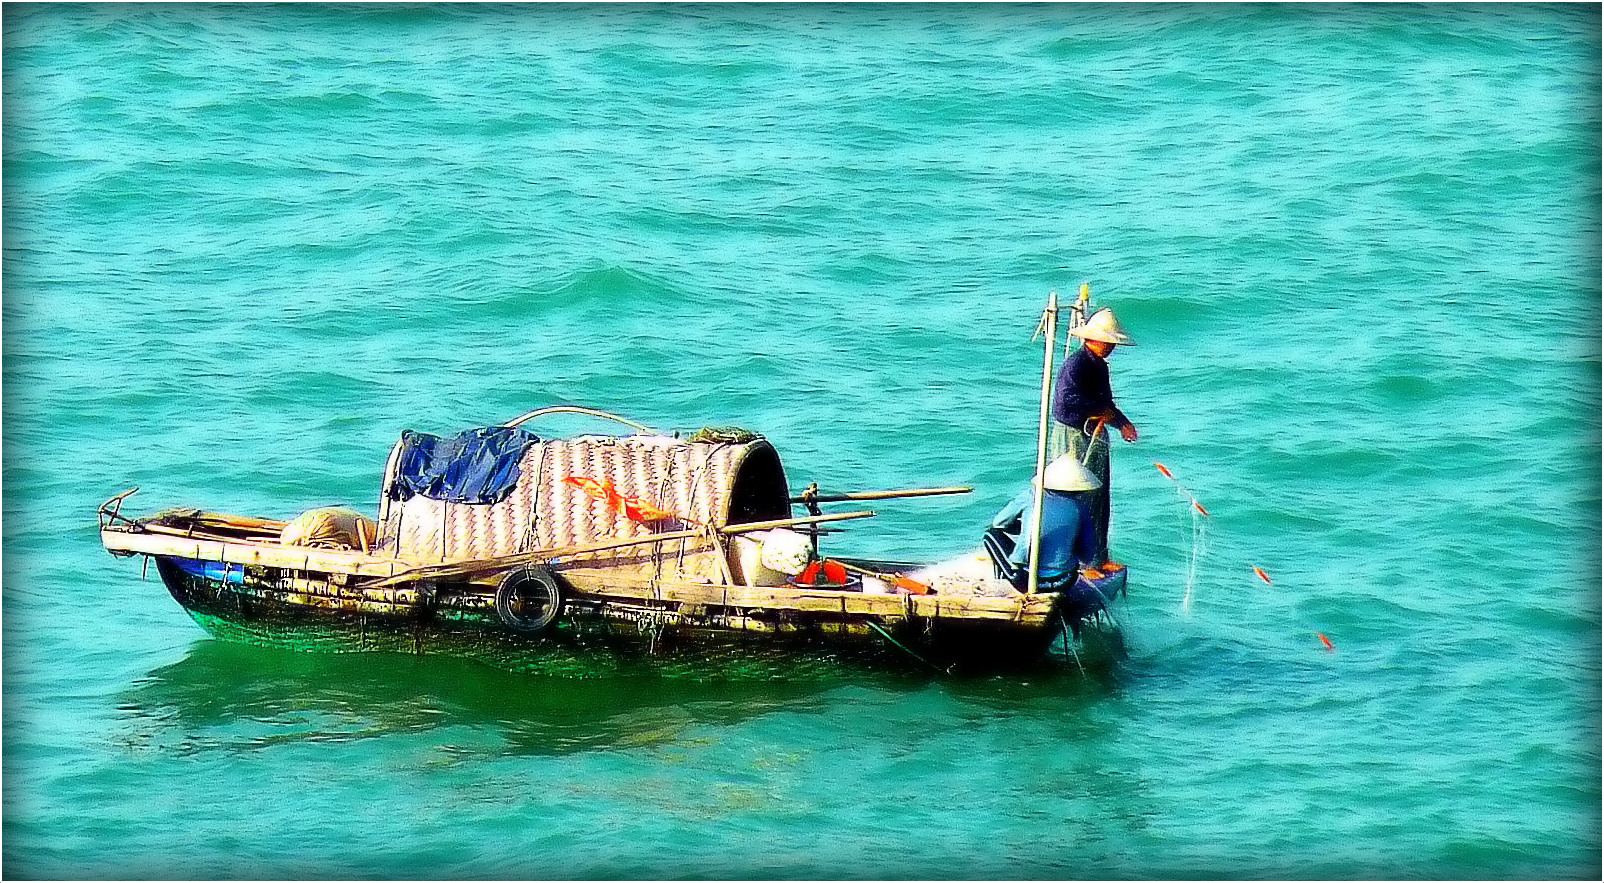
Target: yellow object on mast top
[[1082, 305]]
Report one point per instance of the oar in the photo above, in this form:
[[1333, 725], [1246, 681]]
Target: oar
[[902, 582], [878, 495], [750, 526]]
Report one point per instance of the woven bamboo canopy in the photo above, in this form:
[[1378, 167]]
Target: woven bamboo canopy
[[709, 483]]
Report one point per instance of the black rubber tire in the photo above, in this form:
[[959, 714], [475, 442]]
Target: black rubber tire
[[529, 600]]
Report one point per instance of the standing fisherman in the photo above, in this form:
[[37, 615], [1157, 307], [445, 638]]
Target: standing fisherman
[[1083, 404]]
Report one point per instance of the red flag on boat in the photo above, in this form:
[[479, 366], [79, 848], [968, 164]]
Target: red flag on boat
[[633, 508]]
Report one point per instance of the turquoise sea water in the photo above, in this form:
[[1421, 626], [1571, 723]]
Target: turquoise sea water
[[244, 247]]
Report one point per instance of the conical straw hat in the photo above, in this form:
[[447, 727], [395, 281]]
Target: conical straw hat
[[1067, 474], [1103, 326]]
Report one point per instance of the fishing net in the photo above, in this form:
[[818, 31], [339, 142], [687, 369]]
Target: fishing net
[[1062, 439]]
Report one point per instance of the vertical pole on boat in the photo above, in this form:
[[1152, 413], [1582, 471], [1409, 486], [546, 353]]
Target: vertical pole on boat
[[1049, 323]]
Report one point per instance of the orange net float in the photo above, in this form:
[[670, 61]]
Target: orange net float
[[911, 586], [822, 571]]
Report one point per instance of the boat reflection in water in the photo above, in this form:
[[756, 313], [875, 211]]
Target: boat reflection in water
[[521, 698], [231, 696]]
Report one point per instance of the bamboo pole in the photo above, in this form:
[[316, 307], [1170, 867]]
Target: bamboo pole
[[472, 565], [881, 495], [575, 409], [461, 568], [1050, 323], [722, 553], [750, 526]]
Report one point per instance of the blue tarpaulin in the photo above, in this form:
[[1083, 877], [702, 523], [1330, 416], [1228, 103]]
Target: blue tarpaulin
[[474, 466]]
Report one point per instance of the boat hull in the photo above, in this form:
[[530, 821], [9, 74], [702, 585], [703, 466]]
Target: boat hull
[[333, 612]]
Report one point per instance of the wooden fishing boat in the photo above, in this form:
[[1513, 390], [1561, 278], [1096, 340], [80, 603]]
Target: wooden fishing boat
[[641, 540]]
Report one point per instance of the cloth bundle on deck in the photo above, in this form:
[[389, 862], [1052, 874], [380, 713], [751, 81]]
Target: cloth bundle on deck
[[330, 528]]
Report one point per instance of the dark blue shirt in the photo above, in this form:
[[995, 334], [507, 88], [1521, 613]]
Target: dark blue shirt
[[1082, 392]]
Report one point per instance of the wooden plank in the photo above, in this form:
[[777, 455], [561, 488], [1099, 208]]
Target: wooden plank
[[169, 530], [246, 522], [602, 584], [274, 555], [969, 607]]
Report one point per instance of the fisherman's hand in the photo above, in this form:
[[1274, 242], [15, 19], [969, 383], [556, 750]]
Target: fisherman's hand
[[1128, 432]]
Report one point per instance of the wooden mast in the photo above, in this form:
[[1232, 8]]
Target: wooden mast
[[1049, 323]]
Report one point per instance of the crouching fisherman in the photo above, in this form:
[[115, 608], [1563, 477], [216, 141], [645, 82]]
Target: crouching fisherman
[[1068, 534]]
